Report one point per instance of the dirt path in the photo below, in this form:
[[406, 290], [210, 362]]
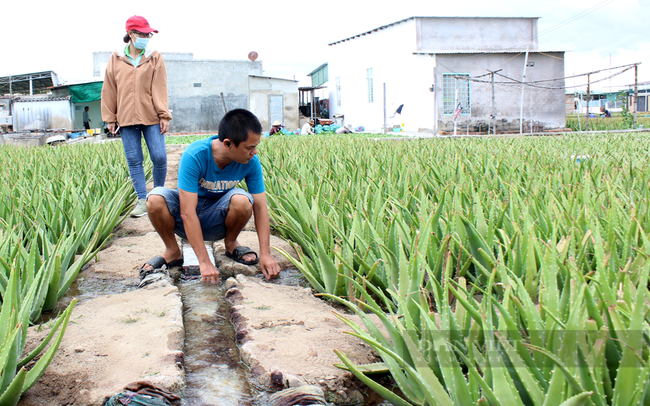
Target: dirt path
[[123, 334]]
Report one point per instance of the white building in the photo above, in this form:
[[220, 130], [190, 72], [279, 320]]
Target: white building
[[430, 64]]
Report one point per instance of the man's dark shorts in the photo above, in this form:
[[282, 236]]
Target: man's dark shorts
[[211, 212]]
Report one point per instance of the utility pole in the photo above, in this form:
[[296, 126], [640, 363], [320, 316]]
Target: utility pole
[[636, 92], [385, 108], [579, 122], [521, 107], [610, 72], [456, 101], [492, 116], [223, 102], [530, 108], [435, 101], [588, 97]]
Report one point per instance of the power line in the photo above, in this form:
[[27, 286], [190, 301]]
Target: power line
[[534, 84], [591, 82]]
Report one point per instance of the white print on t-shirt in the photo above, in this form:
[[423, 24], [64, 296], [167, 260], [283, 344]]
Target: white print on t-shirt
[[218, 186]]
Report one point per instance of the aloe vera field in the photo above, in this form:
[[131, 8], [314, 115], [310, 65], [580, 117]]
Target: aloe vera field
[[57, 210], [505, 271]]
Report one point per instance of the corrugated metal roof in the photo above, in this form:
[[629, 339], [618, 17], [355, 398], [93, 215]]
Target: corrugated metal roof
[[481, 51], [20, 84], [307, 88], [271, 77], [40, 98], [317, 69], [412, 18]]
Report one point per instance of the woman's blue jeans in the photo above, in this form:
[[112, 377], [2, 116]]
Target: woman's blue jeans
[[132, 142]]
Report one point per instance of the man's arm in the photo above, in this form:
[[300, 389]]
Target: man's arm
[[268, 265], [188, 201]]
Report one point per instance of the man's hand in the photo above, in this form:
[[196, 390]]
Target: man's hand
[[111, 127], [269, 266], [209, 274], [164, 125]]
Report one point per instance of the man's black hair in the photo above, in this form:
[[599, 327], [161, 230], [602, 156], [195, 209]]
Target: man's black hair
[[237, 124]]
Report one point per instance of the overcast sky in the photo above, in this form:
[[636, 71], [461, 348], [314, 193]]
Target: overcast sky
[[291, 36]]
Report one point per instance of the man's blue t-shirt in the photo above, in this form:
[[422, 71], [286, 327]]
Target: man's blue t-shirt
[[198, 173]]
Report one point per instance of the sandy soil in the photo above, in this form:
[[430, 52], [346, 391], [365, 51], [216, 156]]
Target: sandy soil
[[134, 334]]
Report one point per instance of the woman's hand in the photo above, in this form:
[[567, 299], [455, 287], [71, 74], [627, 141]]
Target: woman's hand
[[164, 125]]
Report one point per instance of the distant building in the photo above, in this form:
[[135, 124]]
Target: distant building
[[643, 100], [611, 100], [26, 103], [201, 90], [430, 65]]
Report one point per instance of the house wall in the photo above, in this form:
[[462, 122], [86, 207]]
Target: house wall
[[195, 88], [470, 34], [33, 113], [545, 107], [261, 88], [408, 77], [390, 53]]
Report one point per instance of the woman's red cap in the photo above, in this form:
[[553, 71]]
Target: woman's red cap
[[139, 23]]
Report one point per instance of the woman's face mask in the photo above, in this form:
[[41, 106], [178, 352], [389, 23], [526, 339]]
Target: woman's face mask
[[140, 43]]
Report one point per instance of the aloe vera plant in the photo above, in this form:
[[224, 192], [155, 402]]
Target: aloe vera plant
[[509, 260], [15, 379], [61, 210], [57, 210]]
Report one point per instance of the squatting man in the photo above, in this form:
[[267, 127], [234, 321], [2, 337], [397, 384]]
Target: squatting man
[[208, 207]]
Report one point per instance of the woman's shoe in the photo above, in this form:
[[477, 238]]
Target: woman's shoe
[[140, 208]]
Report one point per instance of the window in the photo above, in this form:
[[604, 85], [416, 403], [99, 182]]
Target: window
[[451, 82], [371, 95], [338, 91]]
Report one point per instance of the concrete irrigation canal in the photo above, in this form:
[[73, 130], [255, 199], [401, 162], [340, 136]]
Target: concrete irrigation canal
[[240, 343]]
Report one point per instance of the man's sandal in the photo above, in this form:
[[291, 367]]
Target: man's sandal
[[160, 268], [238, 255]]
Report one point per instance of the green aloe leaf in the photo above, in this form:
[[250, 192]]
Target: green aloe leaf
[[39, 367], [11, 395], [381, 391]]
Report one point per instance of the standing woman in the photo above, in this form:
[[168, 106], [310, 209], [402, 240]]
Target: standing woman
[[134, 99]]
